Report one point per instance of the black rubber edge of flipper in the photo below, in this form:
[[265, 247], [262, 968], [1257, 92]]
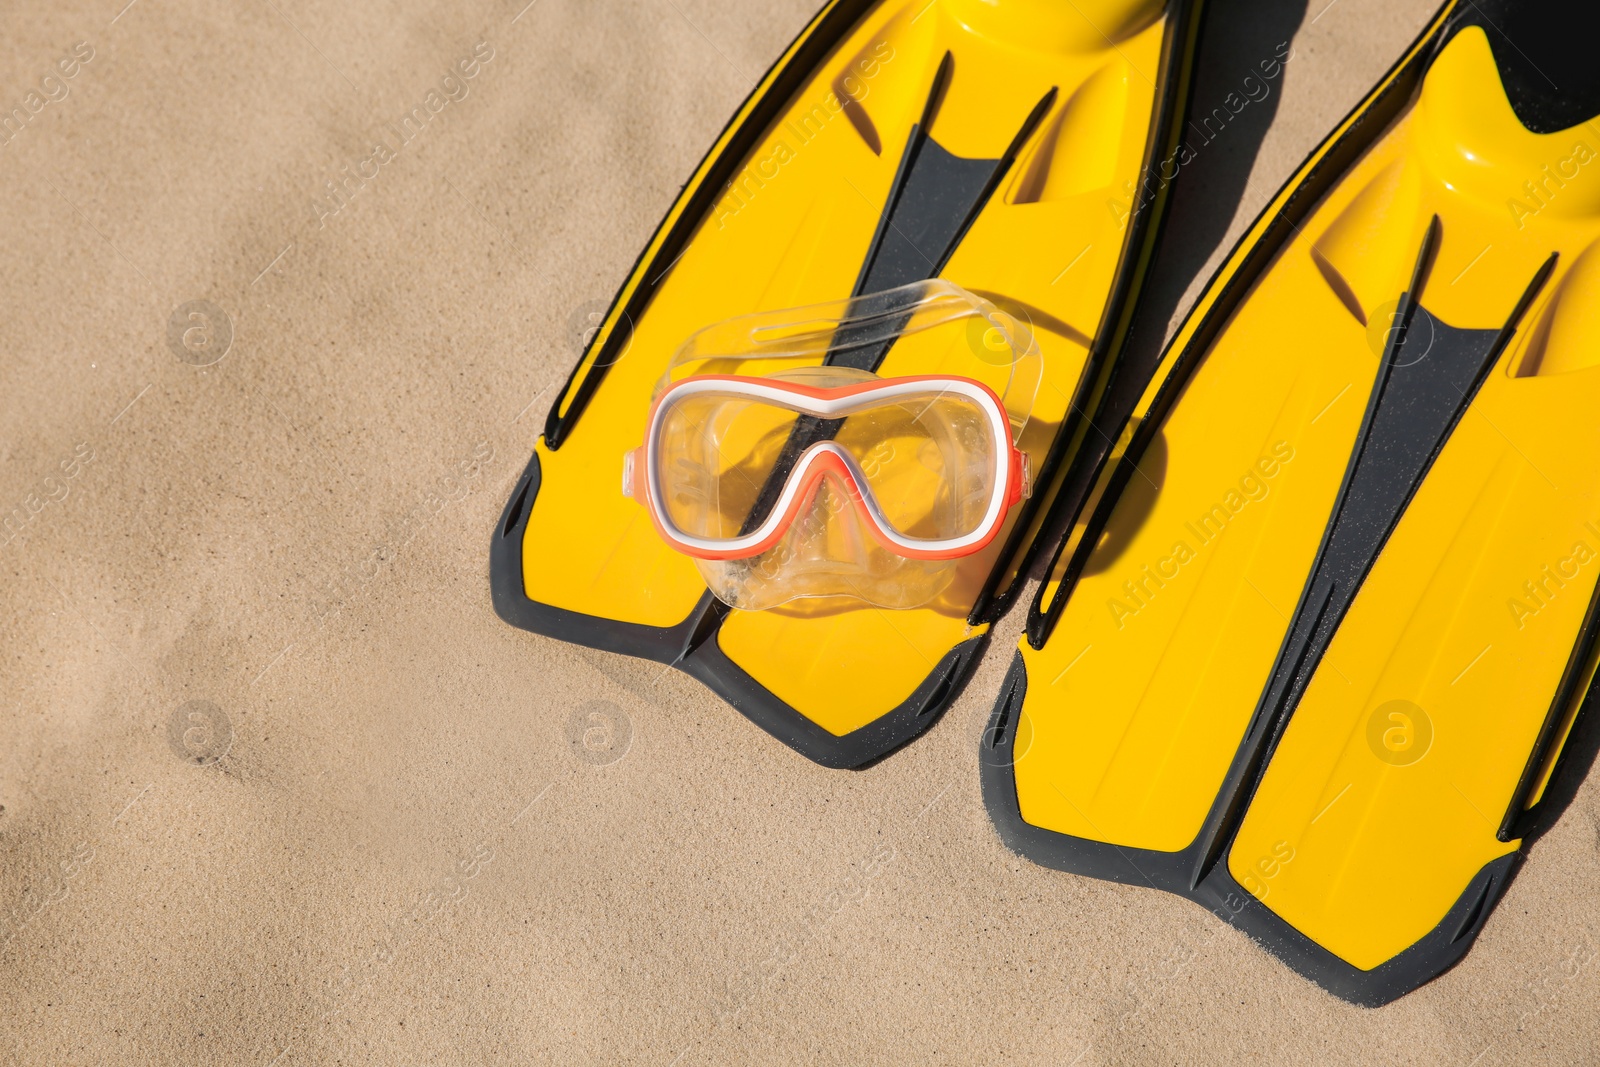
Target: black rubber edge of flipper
[[1574, 752], [1432, 955], [664, 644], [997, 755], [1439, 950], [1520, 813], [854, 750]]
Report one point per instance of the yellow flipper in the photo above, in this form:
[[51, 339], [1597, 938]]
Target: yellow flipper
[[844, 174], [1314, 656]]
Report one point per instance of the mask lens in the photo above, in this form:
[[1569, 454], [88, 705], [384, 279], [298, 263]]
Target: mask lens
[[715, 454], [929, 463]]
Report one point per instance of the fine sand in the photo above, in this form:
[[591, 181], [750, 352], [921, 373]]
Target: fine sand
[[279, 788]]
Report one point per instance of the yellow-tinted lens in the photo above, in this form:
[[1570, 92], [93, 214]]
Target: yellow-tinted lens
[[715, 454], [929, 463]]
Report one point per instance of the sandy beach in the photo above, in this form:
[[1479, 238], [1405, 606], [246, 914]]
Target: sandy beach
[[288, 287]]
